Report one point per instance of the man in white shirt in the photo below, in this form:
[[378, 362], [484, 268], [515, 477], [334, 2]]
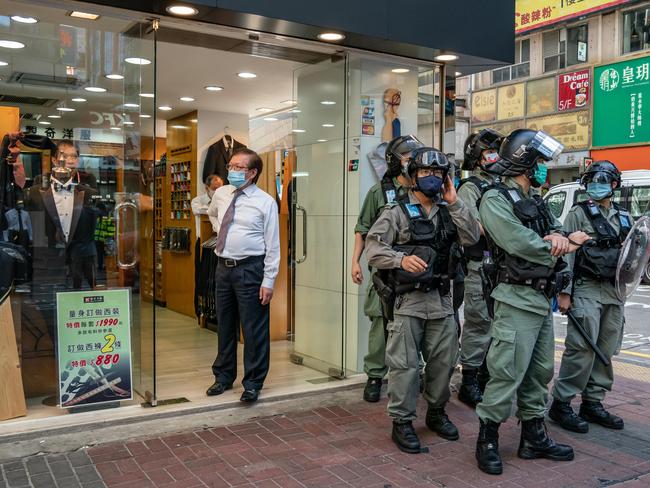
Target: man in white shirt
[[201, 203], [248, 247]]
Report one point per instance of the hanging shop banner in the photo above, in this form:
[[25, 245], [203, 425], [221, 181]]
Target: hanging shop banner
[[532, 14], [484, 106], [540, 96], [571, 129], [511, 102], [573, 90], [621, 98], [94, 346]]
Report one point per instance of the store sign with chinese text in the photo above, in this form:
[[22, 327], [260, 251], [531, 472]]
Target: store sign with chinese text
[[94, 346], [573, 90], [531, 14], [511, 102], [621, 97], [568, 160], [571, 129], [484, 106]]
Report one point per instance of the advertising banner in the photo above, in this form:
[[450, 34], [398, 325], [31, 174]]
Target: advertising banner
[[511, 102], [532, 14], [484, 106], [573, 90], [571, 129], [621, 96], [540, 96], [94, 346]]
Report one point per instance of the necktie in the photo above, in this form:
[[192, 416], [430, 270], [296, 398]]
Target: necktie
[[228, 217]]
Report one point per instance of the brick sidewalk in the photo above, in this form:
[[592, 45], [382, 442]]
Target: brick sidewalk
[[349, 445]]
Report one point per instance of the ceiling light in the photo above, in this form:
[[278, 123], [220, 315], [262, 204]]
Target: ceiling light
[[213, 88], [11, 44], [139, 61], [194, 120], [78, 99], [458, 73], [131, 105], [115, 76], [116, 128], [298, 131], [128, 122], [321, 140], [264, 109], [3, 63], [145, 116], [165, 108], [295, 111], [331, 36], [181, 10], [83, 15], [24, 20], [146, 95], [247, 75], [446, 57], [53, 116], [186, 99], [270, 119], [44, 122], [180, 127], [95, 89], [65, 109], [328, 125], [328, 102], [400, 70], [289, 102]]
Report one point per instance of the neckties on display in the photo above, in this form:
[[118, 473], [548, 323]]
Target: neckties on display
[[227, 220]]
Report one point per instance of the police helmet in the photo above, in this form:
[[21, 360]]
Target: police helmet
[[396, 149], [601, 172], [430, 158], [521, 150], [478, 142]]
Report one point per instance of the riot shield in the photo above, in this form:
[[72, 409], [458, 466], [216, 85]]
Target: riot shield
[[633, 258]]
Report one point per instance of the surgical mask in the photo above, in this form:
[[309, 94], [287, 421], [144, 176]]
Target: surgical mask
[[237, 178], [538, 178], [490, 157], [429, 185], [599, 191]]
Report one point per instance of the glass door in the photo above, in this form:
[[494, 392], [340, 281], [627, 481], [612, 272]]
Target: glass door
[[318, 188]]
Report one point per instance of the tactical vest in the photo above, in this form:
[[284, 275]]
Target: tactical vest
[[597, 259], [475, 251], [388, 189]]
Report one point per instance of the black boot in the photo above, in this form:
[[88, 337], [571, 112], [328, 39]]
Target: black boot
[[563, 414], [372, 390], [438, 422], [483, 376], [405, 437], [469, 391], [535, 443], [596, 413], [487, 448]]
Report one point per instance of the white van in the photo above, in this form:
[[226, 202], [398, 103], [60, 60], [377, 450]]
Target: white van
[[634, 195]]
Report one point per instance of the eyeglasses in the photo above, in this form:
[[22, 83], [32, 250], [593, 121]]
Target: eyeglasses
[[67, 156], [430, 172], [232, 167]]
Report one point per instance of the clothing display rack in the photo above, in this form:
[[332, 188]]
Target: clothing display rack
[[207, 284]]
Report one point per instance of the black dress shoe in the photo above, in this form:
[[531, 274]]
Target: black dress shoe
[[250, 396], [595, 412], [372, 391], [405, 437], [563, 414], [218, 388]]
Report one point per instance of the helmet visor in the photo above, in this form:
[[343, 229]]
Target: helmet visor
[[546, 145], [602, 177], [405, 147], [489, 139]]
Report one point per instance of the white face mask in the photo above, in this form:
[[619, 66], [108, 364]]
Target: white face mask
[[491, 157]]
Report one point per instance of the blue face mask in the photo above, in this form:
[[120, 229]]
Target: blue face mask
[[236, 178], [429, 185], [599, 191], [539, 175]]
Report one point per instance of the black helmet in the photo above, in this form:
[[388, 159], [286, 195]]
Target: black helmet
[[397, 148], [428, 157], [601, 172], [478, 142], [520, 151]]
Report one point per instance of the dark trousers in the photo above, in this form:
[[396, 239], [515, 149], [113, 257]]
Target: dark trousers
[[238, 290], [83, 268]]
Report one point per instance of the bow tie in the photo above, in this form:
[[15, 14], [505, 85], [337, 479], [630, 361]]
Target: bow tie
[[59, 187]]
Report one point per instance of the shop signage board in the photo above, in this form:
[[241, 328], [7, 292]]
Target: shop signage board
[[503, 127], [571, 128], [568, 160], [484, 106], [94, 346], [540, 96], [511, 102], [621, 101], [573, 90], [532, 14]]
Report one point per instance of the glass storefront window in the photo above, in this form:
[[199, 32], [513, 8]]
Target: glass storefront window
[[636, 30]]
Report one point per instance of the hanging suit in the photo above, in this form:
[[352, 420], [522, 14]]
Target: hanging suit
[[217, 157]]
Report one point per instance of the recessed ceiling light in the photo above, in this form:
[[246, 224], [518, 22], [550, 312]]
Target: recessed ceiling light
[[115, 76], [446, 57], [146, 95], [328, 125], [78, 99], [24, 20], [180, 127], [298, 131], [116, 128], [95, 89], [331, 36], [11, 44], [131, 105], [128, 122], [247, 75], [328, 102], [213, 88], [139, 61], [145, 116], [264, 109], [186, 99], [181, 10], [65, 109], [270, 119], [458, 73], [289, 102], [400, 70], [53, 116], [44, 122], [321, 140], [3, 63], [295, 111], [165, 108], [83, 15]]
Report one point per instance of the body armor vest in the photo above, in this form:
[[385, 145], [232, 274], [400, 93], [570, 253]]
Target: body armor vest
[[475, 251]]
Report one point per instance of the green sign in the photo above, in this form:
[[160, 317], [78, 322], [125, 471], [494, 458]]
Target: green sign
[[94, 346], [621, 102]]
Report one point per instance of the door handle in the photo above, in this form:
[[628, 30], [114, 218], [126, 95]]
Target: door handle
[[125, 206], [304, 235]]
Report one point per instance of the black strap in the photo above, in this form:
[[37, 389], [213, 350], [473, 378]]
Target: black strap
[[479, 183], [603, 228], [388, 189]]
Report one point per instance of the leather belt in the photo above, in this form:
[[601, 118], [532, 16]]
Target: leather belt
[[232, 263]]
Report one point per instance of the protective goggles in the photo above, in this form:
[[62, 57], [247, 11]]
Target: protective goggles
[[598, 177], [431, 158]]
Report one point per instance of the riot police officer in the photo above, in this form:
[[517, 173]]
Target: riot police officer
[[480, 148], [593, 301], [411, 244], [525, 245], [393, 186]]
